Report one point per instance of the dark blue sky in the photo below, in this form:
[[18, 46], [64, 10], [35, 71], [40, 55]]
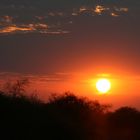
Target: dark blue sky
[[50, 36]]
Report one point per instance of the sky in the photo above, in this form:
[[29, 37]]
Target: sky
[[66, 45]]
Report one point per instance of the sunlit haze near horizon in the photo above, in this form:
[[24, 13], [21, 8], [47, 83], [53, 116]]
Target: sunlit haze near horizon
[[68, 45]]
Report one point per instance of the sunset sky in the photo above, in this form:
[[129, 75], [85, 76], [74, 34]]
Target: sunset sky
[[67, 45]]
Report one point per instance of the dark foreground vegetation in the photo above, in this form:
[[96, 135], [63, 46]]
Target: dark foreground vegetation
[[64, 117]]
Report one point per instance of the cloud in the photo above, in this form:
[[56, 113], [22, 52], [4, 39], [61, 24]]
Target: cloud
[[99, 9], [54, 21], [7, 19], [121, 9], [39, 82], [56, 77], [33, 24], [114, 14], [14, 28], [102, 10], [30, 28]]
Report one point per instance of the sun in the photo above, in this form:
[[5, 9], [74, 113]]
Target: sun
[[103, 86]]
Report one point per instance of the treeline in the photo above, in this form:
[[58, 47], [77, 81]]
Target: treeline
[[63, 117]]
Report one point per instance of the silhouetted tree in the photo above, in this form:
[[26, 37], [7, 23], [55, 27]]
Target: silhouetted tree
[[125, 124], [63, 117], [78, 115], [16, 88]]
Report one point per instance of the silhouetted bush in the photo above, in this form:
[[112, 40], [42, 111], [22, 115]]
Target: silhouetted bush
[[125, 124], [64, 117]]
